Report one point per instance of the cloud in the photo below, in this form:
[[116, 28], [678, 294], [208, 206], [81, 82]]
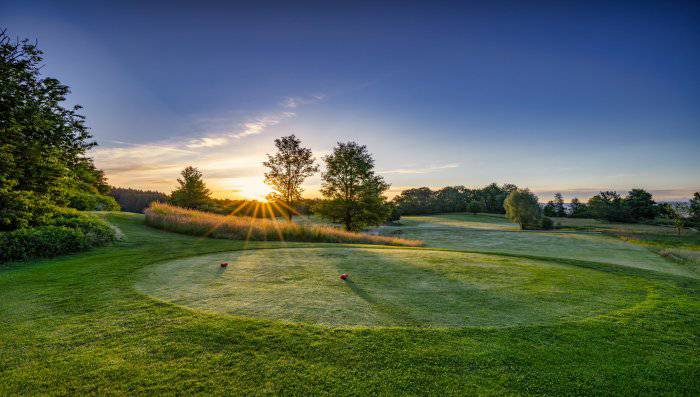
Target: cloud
[[425, 170], [297, 101]]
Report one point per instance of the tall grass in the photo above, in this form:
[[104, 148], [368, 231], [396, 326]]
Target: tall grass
[[198, 223]]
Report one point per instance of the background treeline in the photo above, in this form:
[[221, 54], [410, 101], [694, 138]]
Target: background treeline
[[637, 206], [45, 173], [424, 200], [135, 200]]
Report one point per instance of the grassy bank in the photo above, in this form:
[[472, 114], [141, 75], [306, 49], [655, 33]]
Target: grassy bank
[[198, 223]]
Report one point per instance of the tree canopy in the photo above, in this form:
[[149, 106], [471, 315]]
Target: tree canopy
[[522, 207], [43, 143], [193, 192], [288, 168], [355, 194]]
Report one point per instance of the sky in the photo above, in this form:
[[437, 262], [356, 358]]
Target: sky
[[563, 96]]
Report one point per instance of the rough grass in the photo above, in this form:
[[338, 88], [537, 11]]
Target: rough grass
[[198, 223], [391, 287]]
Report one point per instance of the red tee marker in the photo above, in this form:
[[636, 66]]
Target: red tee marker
[[344, 276], [224, 264]]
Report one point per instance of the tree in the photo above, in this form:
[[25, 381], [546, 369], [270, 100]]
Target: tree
[[559, 208], [289, 167], [679, 213], [549, 209], [522, 207], [474, 207], [694, 208], [640, 204], [578, 209], [416, 201], [354, 193], [43, 144], [192, 193], [608, 206]]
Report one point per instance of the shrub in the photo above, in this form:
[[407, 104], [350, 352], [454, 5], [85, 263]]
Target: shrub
[[198, 223], [68, 232]]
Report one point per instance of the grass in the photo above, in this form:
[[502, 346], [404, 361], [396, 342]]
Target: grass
[[78, 325], [198, 223], [495, 234], [390, 287]]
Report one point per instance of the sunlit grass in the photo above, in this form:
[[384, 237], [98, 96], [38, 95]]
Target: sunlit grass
[[198, 223]]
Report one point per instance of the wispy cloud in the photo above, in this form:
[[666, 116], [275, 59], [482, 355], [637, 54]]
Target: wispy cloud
[[156, 164], [424, 170], [297, 101]]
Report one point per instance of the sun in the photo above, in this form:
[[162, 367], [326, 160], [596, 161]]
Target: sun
[[254, 189]]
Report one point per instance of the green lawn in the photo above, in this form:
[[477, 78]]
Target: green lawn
[[495, 234], [450, 323]]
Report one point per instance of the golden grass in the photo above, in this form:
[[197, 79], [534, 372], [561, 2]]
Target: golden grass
[[198, 223]]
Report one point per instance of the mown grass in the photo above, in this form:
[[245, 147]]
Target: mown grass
[[198, 223], [76, 325], [395, 287], [494, 234]]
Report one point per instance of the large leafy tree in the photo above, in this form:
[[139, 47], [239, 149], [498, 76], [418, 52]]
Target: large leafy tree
[[43, 144], [640, 204], [193, 192], [354, 193], [608, 205], [522, 207], [288, 168]]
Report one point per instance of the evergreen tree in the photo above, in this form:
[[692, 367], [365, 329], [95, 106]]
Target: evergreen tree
[[559, 208], [192, 193]]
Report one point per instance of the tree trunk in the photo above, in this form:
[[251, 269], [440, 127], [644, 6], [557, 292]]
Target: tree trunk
[[290, 214], [348, 218]]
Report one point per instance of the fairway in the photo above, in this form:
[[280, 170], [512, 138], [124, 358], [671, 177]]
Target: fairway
[[155, 314], [495, 234], [390, 287]]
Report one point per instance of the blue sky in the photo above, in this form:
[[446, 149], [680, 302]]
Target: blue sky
[[555, 96]]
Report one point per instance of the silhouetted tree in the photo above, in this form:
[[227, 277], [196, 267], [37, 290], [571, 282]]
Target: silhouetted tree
[[608, 206], [559, 208], [288, 169], [640, 204], [694, 208], [355, 194], [578, 209], [192, 193]]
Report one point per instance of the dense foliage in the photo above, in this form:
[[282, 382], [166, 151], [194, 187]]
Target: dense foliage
[[135, 200], [354, 193], [192, 193], [424, 200], [42, 144], [43, 163], [522, 208], [287, 169], [63, 231]]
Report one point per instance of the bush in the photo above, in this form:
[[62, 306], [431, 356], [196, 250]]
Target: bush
[[85, 201], [68, 232]]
